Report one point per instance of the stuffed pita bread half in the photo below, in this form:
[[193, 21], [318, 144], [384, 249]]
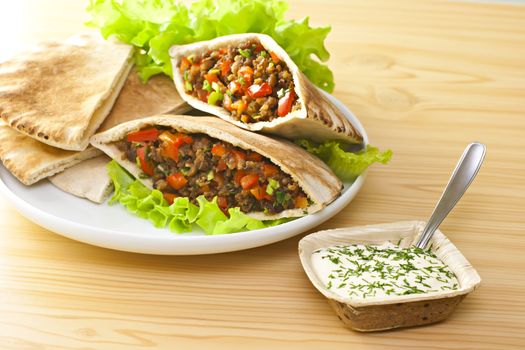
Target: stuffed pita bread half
[[137, 100], [250, 81], [88, 179], [60, 92], [30, 161], [185, 156]]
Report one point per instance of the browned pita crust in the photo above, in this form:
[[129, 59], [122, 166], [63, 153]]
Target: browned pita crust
[[88, 179], [317, 119], [30, 161], [314, 177], [59, 93], [138, 100]]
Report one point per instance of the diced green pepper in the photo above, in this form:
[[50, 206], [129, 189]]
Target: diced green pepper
[[214, 97], [206, 86]]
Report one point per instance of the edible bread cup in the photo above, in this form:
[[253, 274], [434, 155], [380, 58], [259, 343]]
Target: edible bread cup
[[317, 181], [392, 311], [317, 118]]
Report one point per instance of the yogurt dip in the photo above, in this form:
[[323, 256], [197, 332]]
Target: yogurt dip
[[381, 271]]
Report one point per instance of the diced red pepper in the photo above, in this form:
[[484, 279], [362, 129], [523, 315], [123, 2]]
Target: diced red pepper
[[285, 104], [301, 202], [211, 77], [269, 170], [260, 193], [177, 180], [238, 155], [255, 91], [145, 135], [218, 150], [275, 58], [258, 49], [184, 64], [239, 174], [248, 181], [254, 156], [177, 139], [169, 197], [170, 150], [223, 51], [202, 95], [225, 67], [146, 166], [221, 165]]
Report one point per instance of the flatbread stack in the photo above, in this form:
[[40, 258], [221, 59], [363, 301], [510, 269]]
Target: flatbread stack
[[55, 97]]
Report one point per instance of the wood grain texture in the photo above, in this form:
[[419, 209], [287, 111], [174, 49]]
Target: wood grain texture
[[425, 78]]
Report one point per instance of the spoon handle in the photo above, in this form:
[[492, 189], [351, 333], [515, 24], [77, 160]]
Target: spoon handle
[[465, 171]]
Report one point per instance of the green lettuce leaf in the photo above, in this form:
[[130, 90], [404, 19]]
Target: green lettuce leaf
[[180, 216], [345, 164], [154, 26]]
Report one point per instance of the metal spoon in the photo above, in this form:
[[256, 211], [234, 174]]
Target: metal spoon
[[466, 170]]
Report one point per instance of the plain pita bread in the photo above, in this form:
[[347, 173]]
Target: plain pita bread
[[314, 177], [318, 119], [88, 179], [136, 100], [30, 160], [60, 92]]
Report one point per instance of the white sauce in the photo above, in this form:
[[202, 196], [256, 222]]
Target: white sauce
[[375, 272]]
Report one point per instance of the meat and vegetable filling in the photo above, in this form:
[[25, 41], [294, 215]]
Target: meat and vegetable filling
[[184, 165], [247, 80]]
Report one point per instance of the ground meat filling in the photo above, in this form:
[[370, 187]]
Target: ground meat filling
[[184, 165], [247, 80]]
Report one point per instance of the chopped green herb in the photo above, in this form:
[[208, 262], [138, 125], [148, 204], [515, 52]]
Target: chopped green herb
[[246, 53], [368, 271]]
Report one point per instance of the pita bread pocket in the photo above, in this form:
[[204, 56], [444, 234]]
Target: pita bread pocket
[[60, 92], [30, 161], [250, 81], [88, 179], [267, 178]]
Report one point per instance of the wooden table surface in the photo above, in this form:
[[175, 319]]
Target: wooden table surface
[[425, 78]]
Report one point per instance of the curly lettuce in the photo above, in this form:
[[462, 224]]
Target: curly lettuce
[[180, 216], [345, 164], [154, 26]]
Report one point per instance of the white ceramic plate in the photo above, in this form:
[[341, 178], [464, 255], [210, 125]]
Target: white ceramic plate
[[113, 227]]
